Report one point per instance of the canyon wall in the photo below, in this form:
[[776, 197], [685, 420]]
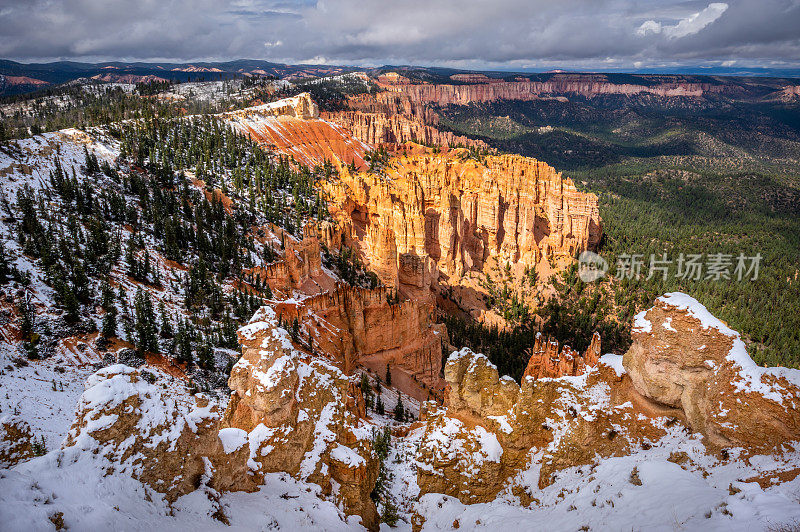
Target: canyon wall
[[382, 128], [533, 90], [431, 217], [356, 327]]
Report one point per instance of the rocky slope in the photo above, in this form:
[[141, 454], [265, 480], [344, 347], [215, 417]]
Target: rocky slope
[[292, 126], [684, 366], [570, 449]]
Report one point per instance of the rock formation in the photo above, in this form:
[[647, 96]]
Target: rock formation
[[16, 441], [685, 367], [171, 444], [301, 266], [295, 409], [546, 361], [561, 84], [288, 412], [355, 327], [292, 126], [684, 357], [433, 216]]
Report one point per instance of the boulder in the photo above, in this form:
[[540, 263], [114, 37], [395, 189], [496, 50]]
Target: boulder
[[685, 358]]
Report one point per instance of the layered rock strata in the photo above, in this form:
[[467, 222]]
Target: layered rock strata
[[382, 128], [355, 327], [292, 126], [585, 86]]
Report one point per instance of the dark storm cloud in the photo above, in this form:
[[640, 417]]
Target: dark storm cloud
[[474, 33]]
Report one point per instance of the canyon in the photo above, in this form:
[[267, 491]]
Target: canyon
[[437, 226]]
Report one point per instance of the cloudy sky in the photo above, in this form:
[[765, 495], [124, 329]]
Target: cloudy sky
[[514, 34]]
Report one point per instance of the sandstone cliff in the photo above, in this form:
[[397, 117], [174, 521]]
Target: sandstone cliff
[[355, 327], [298, 414], [558, 85], [443, 218]]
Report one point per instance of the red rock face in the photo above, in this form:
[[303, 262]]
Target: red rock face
[[547, 361], [292, 126], [532, 90], [355, 327]]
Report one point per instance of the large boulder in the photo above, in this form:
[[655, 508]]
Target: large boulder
[[685, 358]]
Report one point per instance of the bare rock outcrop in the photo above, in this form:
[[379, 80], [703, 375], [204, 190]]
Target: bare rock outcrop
[[490, 427], [16, 441], [288, 412], [382, 128], [684, 357], [354, 327]]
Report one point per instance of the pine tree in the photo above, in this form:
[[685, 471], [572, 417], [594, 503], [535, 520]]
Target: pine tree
[[379, 408], [145, 323], [166, 323], [388, 376], [399, 411], [108, 329]]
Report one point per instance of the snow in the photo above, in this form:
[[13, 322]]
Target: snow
[[641, 324], [604, 498], [614, 362], [347, 456], [751, 374], [232, 439], [90, 499]]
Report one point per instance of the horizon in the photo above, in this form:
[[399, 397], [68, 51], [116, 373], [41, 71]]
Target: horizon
[[512, 35], [686, 70]]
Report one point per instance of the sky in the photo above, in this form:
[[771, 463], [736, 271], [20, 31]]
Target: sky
[[477, 34]]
